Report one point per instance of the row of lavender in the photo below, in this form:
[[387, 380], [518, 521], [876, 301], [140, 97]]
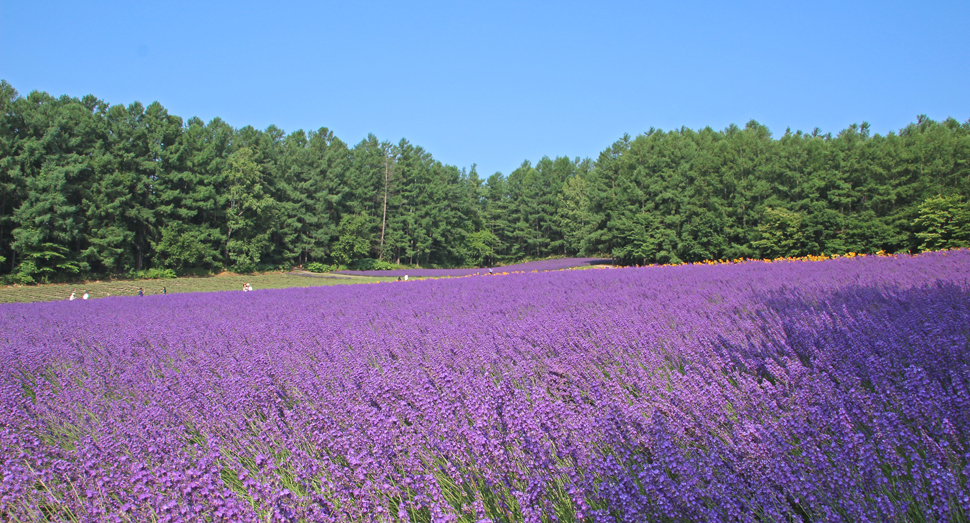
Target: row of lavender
[[787, 391], [533, 266]]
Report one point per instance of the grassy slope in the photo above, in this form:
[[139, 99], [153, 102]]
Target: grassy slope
[[229, 282]]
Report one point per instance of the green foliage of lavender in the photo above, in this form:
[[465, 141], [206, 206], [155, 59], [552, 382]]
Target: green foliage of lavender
[[785, 391]]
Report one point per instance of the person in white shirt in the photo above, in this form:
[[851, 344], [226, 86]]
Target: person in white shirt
[[85, 296], [72, 298]]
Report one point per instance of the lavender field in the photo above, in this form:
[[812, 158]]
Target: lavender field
[[533, 266], [785, 391]]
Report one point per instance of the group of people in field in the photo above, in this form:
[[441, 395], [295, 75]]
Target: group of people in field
[[141, 292], [406, 276], [246, 288]]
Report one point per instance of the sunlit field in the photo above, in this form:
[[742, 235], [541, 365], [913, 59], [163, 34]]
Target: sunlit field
[[831, 390], [271, 280], [554, 264], [232, 282]]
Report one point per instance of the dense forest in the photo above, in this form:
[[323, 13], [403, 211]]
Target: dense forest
[[88, 188]]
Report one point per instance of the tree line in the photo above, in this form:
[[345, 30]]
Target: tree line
[[90, 188]]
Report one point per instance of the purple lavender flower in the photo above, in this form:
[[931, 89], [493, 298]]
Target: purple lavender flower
[[786, 391]]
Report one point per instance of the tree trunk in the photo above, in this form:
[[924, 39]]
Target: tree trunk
[[380, 249], [3, 207], [387, 175], [228, 235], [141, 235]]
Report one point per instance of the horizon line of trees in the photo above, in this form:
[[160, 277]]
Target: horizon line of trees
[[91, 188]]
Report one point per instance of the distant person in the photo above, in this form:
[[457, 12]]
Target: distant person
[[85, 295], [72, 298], [398, 279], [141, 292], [247, 287], [489, 271], [405, 277], [164, 290]]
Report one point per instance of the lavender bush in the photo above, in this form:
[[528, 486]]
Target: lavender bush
[[533, 266], [786, 391]]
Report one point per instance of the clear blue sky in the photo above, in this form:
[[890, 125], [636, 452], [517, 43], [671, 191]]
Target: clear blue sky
[[496, 83]]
